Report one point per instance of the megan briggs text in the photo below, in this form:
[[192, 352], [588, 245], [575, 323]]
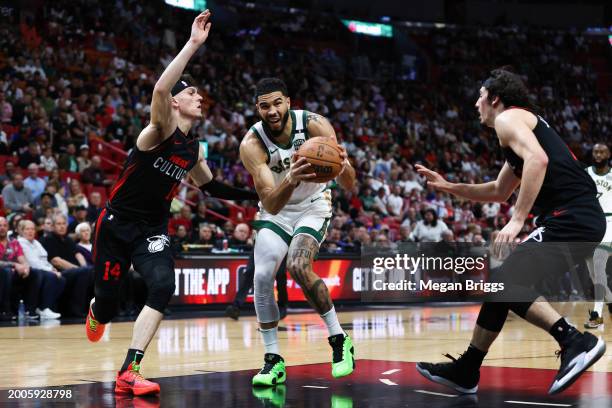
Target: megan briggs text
[[442, 287]]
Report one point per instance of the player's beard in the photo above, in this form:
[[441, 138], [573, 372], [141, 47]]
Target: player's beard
[[601, 164], [276, 133]]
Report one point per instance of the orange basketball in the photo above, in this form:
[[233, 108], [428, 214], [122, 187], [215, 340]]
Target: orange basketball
[[323, 154]]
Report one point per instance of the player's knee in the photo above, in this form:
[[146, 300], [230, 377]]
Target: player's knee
[[492, 316], [263, 282], [161, 287], [520, 308], [265, 270]]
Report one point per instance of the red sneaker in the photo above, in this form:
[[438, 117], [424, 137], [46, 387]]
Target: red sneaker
[[131, 401], [94, 329], [130, 381]]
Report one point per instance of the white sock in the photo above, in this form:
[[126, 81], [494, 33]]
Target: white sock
[[270, 339], [331, 320], [598, 308]]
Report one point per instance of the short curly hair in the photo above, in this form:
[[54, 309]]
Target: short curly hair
[[269, 85], [509, 87]]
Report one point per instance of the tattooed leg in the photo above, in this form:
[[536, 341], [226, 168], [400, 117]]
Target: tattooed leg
[[302, 251]]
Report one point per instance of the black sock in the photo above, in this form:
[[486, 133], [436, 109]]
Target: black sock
[[473, 357], [563, 332], [133, 356]]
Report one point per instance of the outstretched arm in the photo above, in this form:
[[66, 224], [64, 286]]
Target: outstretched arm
[[273, 197], [317, 125], [203, 178], [493, 191], [161, 118]]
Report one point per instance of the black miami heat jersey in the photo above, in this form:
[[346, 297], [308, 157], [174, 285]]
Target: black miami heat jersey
[[565, 183], [150, 179]]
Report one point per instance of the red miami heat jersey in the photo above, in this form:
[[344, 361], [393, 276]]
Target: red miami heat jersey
[[150, 179]]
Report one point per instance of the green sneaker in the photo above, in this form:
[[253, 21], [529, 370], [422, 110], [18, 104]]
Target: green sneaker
[[271, 396], [344, 355], [341, 401], [273, 371]]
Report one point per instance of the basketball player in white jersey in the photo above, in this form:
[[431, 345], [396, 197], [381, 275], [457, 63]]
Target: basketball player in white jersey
[[601, 175], [294, 218]]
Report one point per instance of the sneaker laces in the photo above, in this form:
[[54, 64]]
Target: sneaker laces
[[452, 358], [135, 370], [268, 366], [93, 323]]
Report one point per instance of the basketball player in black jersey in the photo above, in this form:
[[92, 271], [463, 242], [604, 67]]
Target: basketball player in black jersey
[[558, 188], [132, 229]]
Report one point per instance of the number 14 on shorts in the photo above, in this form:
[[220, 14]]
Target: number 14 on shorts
[[115, 271]]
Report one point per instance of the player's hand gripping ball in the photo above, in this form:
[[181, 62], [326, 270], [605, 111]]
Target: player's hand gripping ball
[[323, 154]]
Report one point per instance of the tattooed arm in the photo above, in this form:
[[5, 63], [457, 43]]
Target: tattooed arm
[[301, 255], [317, 125]]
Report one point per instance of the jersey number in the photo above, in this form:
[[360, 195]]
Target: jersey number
[[599, 195], [115, 271], [282, 165]]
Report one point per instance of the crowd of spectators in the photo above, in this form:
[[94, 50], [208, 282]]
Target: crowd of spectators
[[76, 72]]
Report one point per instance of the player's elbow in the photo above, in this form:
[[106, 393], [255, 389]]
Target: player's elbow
[[347, 184], [272, 209], [540, 161]]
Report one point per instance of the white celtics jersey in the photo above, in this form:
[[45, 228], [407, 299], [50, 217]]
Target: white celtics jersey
[[604, 189], [279, 157]]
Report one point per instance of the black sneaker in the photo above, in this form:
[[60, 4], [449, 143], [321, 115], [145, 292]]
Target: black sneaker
[[232, 312], [454, 375], [575, 359]]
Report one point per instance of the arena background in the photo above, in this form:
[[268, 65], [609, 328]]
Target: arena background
[[397, 80]]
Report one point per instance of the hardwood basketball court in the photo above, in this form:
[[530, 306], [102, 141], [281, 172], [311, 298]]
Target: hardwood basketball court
[[206, 361]]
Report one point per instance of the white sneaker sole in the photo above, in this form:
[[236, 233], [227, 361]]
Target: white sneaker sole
[[444, 381], [581, 363]]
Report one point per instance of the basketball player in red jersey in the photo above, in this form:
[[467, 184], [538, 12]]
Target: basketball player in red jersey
[[570, 225], [133, 228]]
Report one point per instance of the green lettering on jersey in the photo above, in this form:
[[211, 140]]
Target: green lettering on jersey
[[281, 165]]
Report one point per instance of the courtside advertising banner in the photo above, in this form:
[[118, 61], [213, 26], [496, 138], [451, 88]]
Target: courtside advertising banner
[[216, 279]]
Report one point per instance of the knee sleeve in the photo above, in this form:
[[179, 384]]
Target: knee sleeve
[[265, 304], [161, 286], [598, 274], [520, 308], [492, 316], [270, 250]]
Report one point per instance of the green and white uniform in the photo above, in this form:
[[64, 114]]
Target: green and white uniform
[[307, 212], [604, 194], [309, 208], [597, 264]]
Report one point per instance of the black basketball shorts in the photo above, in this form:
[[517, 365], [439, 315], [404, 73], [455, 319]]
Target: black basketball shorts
[[120, 242]]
